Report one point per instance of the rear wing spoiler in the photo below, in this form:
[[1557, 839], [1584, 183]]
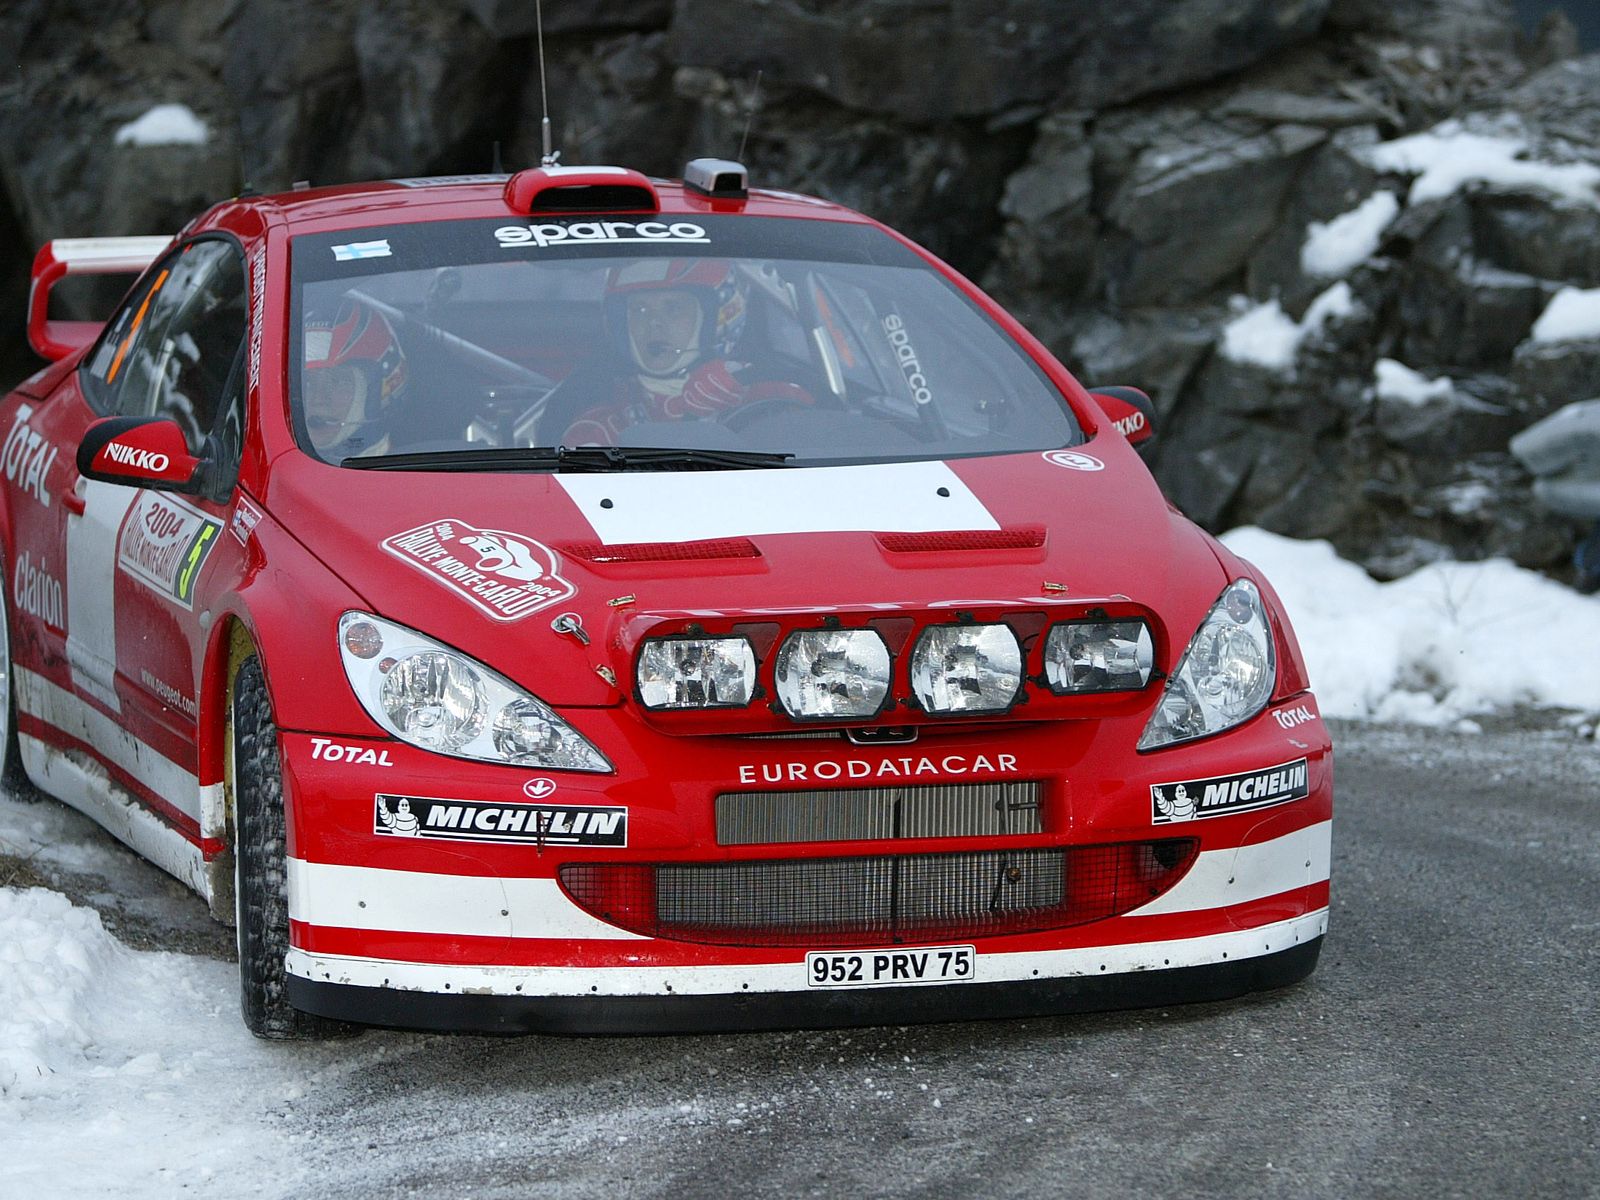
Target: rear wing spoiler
[[80, 256]]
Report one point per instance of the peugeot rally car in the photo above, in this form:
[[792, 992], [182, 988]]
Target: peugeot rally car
[[580, 602]]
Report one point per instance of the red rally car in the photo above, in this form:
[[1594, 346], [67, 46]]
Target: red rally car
[[580, 602]]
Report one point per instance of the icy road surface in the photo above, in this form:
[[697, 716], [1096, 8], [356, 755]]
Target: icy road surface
[[1445, 1046]]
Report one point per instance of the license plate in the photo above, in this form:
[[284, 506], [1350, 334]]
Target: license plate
[[891, 968]]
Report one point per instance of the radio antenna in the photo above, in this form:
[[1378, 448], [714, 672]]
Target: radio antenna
[[551, 157], [749, 116]]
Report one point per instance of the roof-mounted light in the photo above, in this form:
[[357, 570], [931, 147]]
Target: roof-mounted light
[[580, 189], [719, 178]]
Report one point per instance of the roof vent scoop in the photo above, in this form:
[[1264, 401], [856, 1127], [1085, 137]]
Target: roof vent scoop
[[718, 178], [556, 189]]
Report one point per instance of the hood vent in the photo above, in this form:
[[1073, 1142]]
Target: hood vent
[[1016, 537], [658, 552]]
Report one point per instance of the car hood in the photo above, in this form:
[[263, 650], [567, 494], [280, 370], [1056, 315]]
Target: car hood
[[488, 562]]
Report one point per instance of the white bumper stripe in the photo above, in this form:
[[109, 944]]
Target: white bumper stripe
[[417, 902], [791, 977], [349, 897], [1239, 875], [687, 506]]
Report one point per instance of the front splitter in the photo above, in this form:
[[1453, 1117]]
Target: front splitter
[[672, 1014]]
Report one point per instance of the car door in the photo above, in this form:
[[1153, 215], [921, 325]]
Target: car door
[[133, 555]]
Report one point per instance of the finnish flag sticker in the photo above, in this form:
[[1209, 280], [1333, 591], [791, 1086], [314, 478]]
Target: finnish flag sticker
[[378, 249]]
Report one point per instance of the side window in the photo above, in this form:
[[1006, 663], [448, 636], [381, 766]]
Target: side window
[[175, 348]]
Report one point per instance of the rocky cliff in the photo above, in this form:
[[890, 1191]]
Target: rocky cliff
[[1322, 233]]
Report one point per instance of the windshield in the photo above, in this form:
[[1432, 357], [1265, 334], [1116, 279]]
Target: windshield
[[824, 342]]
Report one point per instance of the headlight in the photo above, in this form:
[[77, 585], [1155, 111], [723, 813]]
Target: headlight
[[966, 668], [696, 672], [427, 694], [1226, 674], [1098, 656], [832, 673]]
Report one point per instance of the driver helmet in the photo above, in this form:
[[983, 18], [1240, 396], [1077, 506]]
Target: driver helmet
[[354, 370], [670, 314]]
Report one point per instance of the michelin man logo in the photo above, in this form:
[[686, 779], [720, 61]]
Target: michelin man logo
[[1179, 808], [402, 822]]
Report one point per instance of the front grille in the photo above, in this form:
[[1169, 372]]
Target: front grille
[[879, 899], [859, 814]]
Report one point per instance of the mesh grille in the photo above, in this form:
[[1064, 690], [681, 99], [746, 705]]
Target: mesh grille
[[858, 814], [879, 899]]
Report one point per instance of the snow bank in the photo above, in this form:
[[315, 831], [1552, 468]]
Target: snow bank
[[1448, 157], [164, 125], [1572, 314], [1335, 248], [124, 1072], [1450, 641], [54, 960]]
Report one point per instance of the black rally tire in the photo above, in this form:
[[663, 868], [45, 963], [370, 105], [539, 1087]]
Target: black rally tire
[[261, 874]]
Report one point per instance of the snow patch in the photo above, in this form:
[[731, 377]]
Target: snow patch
[[1448, 157], [1572, 315], [164, 125], [1396, 381], [1337, 247], [1450, 641], [1265, 336]]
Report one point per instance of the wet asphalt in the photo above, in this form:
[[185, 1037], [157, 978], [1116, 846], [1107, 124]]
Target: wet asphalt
[[1447, 1045]]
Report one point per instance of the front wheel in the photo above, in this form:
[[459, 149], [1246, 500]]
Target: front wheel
[[260, 867]]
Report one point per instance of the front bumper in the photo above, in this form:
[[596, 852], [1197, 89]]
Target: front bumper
[[473, 933]]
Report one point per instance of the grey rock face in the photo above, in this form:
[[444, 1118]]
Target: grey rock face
[[433, 84], [506, 19], [1547, 375], [292, 72], [1193, 198], [1530, 235], [927, 62], [1129, 179], [612, 102], [58, 133]]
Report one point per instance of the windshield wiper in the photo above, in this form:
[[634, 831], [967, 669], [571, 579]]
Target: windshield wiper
[[632, 458], [571, 458]]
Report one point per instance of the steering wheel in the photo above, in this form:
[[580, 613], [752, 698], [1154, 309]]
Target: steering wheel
[[775, 396]]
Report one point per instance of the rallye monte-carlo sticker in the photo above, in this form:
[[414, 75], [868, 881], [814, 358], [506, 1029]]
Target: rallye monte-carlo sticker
[[505, 575], [164, 543], [494, 821], [1227, 794]]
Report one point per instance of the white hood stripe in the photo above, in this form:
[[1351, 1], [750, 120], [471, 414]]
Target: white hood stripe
[[688, 506]]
